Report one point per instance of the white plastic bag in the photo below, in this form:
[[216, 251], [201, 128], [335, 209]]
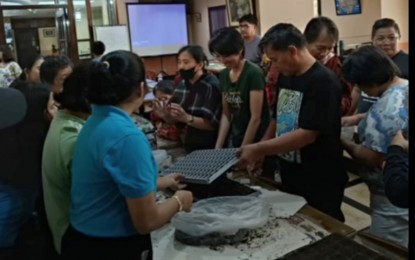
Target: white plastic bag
[[225, 215]]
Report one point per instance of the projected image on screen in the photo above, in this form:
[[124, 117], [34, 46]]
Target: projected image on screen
[[157, 29]]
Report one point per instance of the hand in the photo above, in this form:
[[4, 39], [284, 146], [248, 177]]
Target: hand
[[400, 140], [348, 121], [248, 155], [178, 113], [256, 169], [186, 198], [160, 108], [352, 120], [171, 181], [52, 106], [347, 132]]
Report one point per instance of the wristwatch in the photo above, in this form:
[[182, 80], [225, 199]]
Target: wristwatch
[[190, 121]]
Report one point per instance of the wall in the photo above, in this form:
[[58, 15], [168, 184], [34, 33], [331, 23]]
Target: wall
[[121, 10], [354, 29], [200, 30], [45, 42], [398, 10], [297, 12]]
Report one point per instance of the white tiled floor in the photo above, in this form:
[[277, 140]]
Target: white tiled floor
[[356, 218], [359, 193]]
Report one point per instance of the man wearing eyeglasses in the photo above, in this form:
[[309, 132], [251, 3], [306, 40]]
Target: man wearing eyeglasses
[[248, 27]]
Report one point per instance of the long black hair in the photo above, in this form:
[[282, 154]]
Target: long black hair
[[115, 78]]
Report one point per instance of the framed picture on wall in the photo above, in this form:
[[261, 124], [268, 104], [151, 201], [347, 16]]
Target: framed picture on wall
[[347, 7], [238, 8], [49, 32]]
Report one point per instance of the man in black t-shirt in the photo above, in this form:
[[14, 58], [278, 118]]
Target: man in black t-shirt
[[307, 123]]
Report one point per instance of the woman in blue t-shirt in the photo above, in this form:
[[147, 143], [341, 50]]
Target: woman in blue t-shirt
[[114, 174]]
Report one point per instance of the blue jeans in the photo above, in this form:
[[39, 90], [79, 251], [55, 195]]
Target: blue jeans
[[389, 222], [16, 207]]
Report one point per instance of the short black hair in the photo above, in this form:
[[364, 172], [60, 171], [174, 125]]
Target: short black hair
[[385, 23], [249, 18], [369, 66], [115, 78], [51, 66], [98, 48], [196, 52], [73, 95], [316, 25], [226, 41], [29, 63], [164, 86], [7, 53], [281, 36]]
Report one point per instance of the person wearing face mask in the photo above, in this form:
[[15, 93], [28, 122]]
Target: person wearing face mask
[[195, 101], [245, 110]]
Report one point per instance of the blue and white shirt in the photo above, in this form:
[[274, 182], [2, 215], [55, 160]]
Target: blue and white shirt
[[383, 120]]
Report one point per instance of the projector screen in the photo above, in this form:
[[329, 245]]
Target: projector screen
[[157, 29]]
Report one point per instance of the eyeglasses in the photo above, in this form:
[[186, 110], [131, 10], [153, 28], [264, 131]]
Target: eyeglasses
[[388, 38]]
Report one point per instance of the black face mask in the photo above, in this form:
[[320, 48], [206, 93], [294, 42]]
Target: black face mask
[[188, 74]]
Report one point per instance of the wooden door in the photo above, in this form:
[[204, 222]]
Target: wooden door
[[27, 42]]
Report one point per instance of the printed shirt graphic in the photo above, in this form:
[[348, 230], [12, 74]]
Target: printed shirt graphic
[[288, 110], [234, 100], [388, 115]]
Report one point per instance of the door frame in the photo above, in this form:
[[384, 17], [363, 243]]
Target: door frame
[[72, 41]]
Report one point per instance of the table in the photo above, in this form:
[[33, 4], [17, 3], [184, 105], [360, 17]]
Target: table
[[305, 227], [327, 222]]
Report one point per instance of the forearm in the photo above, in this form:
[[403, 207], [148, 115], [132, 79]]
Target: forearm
[[223, 131], [359, 117], [353, 119], [163, 213], [148, 215], [201, 123], [162, 184], [362, 154], [396, 176], [355, 100], [251, 131], [289, 142], [271, 130]]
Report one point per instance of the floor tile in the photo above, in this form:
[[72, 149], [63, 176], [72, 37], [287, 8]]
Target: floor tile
[[355, 218], [359, 193], [352, 176]]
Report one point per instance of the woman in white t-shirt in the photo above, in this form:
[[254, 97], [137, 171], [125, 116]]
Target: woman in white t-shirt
[[9, 69]]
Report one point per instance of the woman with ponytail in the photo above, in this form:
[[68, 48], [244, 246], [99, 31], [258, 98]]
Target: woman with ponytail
[[114, 174]]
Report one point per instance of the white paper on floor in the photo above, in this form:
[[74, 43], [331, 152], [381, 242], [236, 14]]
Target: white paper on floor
[[284, 205]]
